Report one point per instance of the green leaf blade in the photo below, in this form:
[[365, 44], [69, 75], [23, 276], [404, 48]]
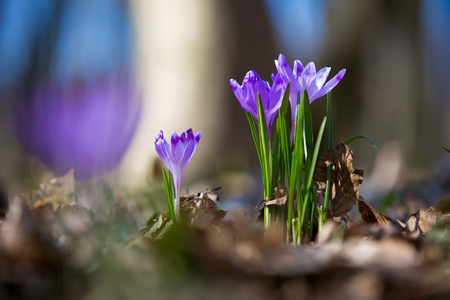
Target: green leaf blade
[[360, 136], [169, 192]]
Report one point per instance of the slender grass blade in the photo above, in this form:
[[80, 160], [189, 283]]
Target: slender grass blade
[[169, 192], [360, 136]]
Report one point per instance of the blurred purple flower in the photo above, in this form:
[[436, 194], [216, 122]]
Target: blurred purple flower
[[85, 126], [176, 157], [302, 78], [271, 96]]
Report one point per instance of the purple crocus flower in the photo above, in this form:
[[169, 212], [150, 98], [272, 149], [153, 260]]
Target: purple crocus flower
[[302, 78], [85, 126], [271, 96], [176, 157]]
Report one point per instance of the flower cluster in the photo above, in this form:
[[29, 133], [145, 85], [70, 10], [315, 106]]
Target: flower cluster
[[176, 157], [301, 79], [178, 153], [282, 157]]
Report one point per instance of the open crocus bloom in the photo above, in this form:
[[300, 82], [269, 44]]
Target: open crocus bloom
[[302, 78], [314, 83], [271, 96], [176, 157]]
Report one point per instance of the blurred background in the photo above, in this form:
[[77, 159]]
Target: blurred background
[[87, 84]]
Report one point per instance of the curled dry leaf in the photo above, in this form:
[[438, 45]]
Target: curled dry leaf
[[422, 221], [344, 192], [200, 210], [281, 196], [371, 216]]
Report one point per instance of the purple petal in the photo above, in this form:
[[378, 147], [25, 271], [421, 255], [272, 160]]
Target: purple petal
[[177, 148], [331, 84], [235, 86], [188, 152], [308, 78], [159, 136], [298, 69], [275, 99], [277, 92], [185, 137], [272, 76], [239, 92], [162, 148], [309, 73], [321, 77], [197, 137], [175, 138], [251, 77], [284, 68]]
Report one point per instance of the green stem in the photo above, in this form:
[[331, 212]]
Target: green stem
[[169, 193], [309, 171], [296, 168], [264, 144], [329, 148]]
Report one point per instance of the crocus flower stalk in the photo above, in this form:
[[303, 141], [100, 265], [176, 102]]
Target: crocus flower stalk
[[306, 78], [271, 96], [176, 157]]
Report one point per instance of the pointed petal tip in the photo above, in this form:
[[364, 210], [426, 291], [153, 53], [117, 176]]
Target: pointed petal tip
[[279, 79], [310, 67], [252, 75], [341, 74], [273, 76], [197, 137], [298, 68], [175, 138], [234, 84], [159, 136]]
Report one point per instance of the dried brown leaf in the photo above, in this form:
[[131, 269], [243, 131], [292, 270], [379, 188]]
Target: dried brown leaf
[[281, 196], [200, 210], [422, 221], [344, 192], [59, 192], [277, 201], [370, 215]]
